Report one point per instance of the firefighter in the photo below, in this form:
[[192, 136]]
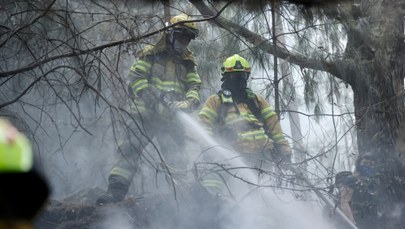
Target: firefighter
[[357, 192], [23, 189], [243, 119], [162, 80]]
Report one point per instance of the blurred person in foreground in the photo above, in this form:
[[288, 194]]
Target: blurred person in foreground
[[163, 80], [245, 121], [23, 190], [357, 193]]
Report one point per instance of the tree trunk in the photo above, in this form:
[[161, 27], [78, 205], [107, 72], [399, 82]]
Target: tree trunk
[[378, 84], [378, 88]]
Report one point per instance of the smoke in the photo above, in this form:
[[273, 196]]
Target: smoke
[[257, 199], [115, 218], [253, 201], [71, 158]]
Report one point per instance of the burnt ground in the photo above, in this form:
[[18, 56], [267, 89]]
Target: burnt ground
[[193, 208], [64, 215]]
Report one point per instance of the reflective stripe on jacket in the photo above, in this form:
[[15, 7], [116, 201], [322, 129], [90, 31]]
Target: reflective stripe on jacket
[[156, 68], [247, 132]]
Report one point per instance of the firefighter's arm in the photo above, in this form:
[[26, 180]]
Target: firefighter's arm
[[272, 121], [193, 87], [345, 198], [138, 75], [138, 81], [208, 114], [192, 93], [140, 71]]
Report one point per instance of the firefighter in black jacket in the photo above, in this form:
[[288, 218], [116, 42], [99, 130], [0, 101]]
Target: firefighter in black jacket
[[357, 196]]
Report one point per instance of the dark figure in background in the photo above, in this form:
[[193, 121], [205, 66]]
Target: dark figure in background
[[163, 71], [357, 196], [23, 190]]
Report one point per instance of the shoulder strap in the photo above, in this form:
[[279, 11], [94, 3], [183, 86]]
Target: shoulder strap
[[251, 102], [226, 102]]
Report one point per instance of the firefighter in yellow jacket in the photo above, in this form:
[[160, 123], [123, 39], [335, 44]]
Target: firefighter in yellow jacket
[[162, 80], [243, 119]]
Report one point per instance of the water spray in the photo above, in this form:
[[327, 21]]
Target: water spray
[[250, 176]]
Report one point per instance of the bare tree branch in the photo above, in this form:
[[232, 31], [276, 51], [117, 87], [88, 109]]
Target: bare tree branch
[[333, 67]]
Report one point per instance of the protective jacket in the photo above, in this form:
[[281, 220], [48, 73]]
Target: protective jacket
[[155, 72], [158, 69], [236, 123], [167, 69]]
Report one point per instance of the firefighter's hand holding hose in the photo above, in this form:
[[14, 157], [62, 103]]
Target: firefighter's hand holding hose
[[286, 164], [282, 158], [150, 99], [167, 101], [183, 105], [158, 101]]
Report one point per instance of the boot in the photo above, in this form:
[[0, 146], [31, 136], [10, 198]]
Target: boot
[[117, 189]]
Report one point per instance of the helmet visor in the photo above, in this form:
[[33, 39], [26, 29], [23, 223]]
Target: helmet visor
[[235, 76], [180, 37], [186, 32]]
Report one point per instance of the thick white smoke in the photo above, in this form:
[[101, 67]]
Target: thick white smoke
[[274, 207]]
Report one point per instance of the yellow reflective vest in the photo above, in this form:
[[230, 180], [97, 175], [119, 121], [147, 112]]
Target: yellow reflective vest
[[240, 127], [157, 68]]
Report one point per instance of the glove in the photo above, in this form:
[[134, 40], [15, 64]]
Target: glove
[[152, 102], [184, 105], [149, 98], [284, 161]]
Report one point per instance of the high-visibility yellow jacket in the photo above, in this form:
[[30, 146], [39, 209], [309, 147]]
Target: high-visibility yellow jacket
[[156, 67], [244, 131]]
